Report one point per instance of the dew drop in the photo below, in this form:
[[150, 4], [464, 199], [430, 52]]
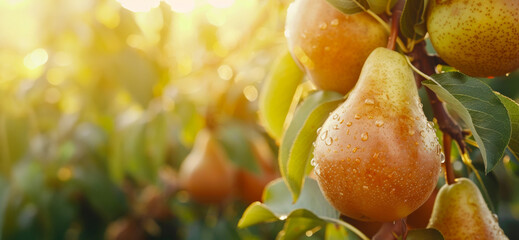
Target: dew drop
[[335, 116], [324, 135], [318, 131], [328, 141], [342, 120], [348, 146], [507, 74], [375, 155], [354, 170], [357, 116], [365, 187], [438, 149], [336, 127], [379, 123], [323, 26], [392, 191], [335, 22], [369, 101], [495, 216], [364, 136], [357, 160], [314, 144], [422, 133], [354, 149], [411, 132], [342, 194], [349, 124], [317, 170], [430, 124], [370, 117], [312, 162], [442, 158]]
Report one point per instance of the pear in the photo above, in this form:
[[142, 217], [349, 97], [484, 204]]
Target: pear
[[461, 213], [478, 37], [330, 46], [376, 157], [206, 174]]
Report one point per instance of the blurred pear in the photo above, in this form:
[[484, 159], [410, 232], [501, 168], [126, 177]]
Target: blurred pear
[[206, 174]]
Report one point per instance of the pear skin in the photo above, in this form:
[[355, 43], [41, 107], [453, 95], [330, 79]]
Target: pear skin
[[376, 157], [331, 46], [478, 37], [206, 173], [460, 212]]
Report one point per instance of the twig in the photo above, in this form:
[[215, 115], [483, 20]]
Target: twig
[[445, 122], [449, 173]]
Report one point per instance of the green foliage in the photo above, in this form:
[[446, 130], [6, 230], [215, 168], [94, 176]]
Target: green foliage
[[479, 108], [412, 22], [513, 111], [350, 6], [296, 148], [277, 94]]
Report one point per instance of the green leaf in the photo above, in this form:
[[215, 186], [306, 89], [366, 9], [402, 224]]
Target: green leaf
[[296, 146], [424, 234], [379, 6], [278, 204], [277, 94], [298, 223], [513, 111], [337, 232], [256, 213], [4, 196], [479, 108], [412, 22], [350, 6]]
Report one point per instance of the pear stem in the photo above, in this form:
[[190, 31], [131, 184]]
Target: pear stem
[[449, 173]]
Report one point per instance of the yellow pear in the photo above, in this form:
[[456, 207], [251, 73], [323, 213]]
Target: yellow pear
[[461, 213], [329, 45], [206, 174], [376, 157], [478, 37]]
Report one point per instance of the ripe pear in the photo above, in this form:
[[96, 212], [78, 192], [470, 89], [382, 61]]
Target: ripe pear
[[331, 46], [206, 174], [461, 213], [376, 157], [478, 37]]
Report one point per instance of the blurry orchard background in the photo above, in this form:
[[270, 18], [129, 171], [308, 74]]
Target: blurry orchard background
[[101, 101]]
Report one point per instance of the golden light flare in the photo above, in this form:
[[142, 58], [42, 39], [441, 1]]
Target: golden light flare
[[36, 58]]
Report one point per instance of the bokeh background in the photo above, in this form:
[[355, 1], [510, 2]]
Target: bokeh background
[[102, 100]]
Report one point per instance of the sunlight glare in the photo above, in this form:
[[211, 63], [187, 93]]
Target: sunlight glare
[[139, 5], [181, 6], [36, 58], [221, 3]]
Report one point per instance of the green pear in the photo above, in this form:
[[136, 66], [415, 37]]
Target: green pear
[[478, 37], [376, 157], [461, 213]]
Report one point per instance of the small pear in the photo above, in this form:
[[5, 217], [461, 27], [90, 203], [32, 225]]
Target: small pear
[[478, 37], [460, 212], [376, 157], [329, 45], [206, 173]]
